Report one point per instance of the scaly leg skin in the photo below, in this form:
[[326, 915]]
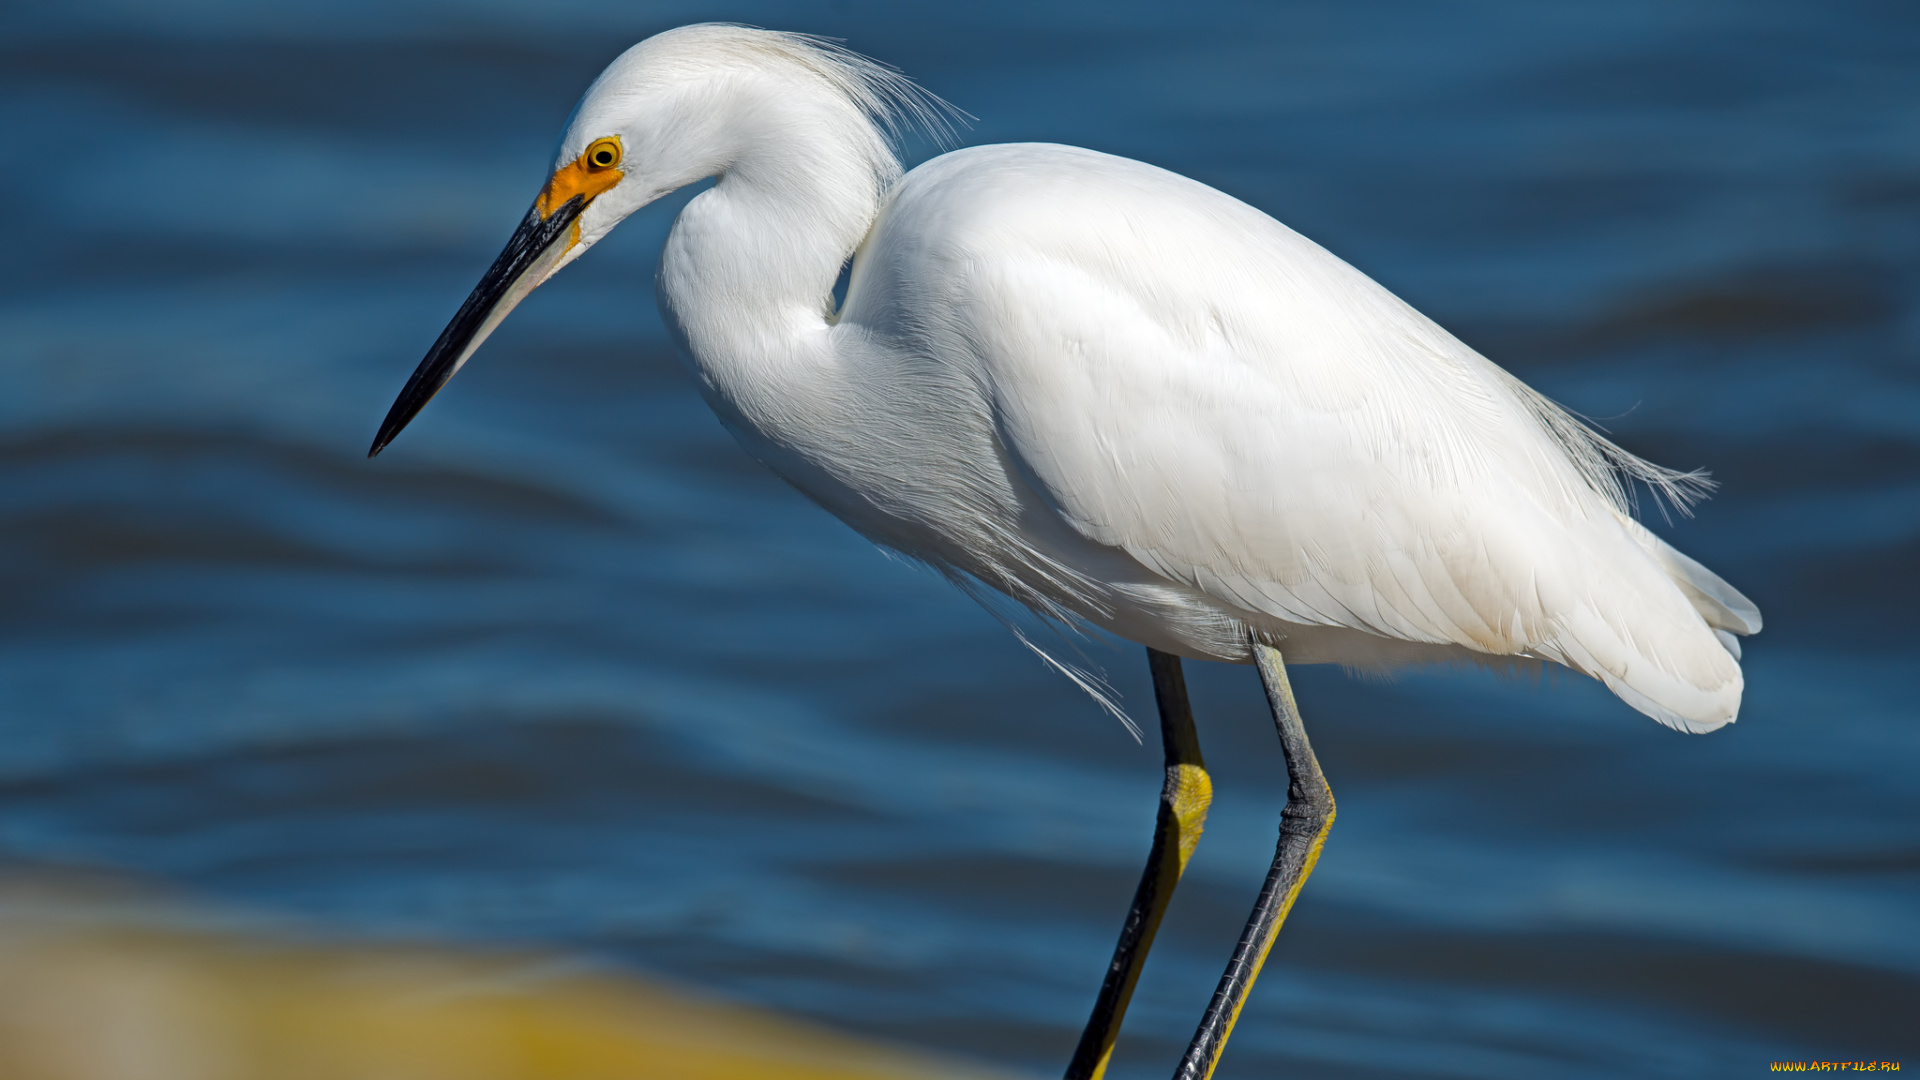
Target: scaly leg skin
[[1183, 813], [1303, 829]]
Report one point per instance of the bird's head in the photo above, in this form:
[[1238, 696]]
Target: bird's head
[[679, 107], [663, 115]]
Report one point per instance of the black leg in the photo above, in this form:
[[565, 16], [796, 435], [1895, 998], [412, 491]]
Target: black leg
[[1183, 813], [1303, 829]]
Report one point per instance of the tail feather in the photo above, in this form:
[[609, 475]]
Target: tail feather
[[1724, 607], [1671, 650], [1686, 680], [1719, 603]]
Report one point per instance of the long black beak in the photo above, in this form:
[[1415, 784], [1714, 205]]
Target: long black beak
[[536, 245]]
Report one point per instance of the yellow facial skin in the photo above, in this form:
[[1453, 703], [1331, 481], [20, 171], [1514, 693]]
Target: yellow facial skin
[[595, 171], [538, 248]]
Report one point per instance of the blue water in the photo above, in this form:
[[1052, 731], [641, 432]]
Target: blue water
[[565, 667]]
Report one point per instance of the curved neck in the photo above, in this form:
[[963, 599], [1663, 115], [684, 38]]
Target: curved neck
[[747, 275]]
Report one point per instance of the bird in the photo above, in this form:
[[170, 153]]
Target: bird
[[1125, 400]]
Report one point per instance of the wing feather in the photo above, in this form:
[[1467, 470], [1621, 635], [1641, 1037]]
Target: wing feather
[[1192, 383]]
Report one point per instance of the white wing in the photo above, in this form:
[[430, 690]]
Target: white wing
[[1188, 381]]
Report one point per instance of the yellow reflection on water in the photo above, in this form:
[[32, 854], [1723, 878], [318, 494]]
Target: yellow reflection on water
[[104, 984]]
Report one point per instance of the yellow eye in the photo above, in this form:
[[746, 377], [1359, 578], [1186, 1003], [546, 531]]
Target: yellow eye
[[603, 153]]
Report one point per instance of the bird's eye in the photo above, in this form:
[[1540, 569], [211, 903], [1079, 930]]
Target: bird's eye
[[603, 154]]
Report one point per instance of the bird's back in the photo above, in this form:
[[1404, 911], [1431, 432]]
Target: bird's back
[[1230, 427]]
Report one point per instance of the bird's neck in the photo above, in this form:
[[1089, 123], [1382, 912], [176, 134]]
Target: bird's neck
[[747, 275]]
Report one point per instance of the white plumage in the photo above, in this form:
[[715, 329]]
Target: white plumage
[[1118, 395]]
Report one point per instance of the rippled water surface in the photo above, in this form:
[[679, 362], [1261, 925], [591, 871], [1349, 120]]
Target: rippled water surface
[[565, 668]]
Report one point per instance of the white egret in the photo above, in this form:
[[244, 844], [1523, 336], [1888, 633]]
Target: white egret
[[1121, 398]]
